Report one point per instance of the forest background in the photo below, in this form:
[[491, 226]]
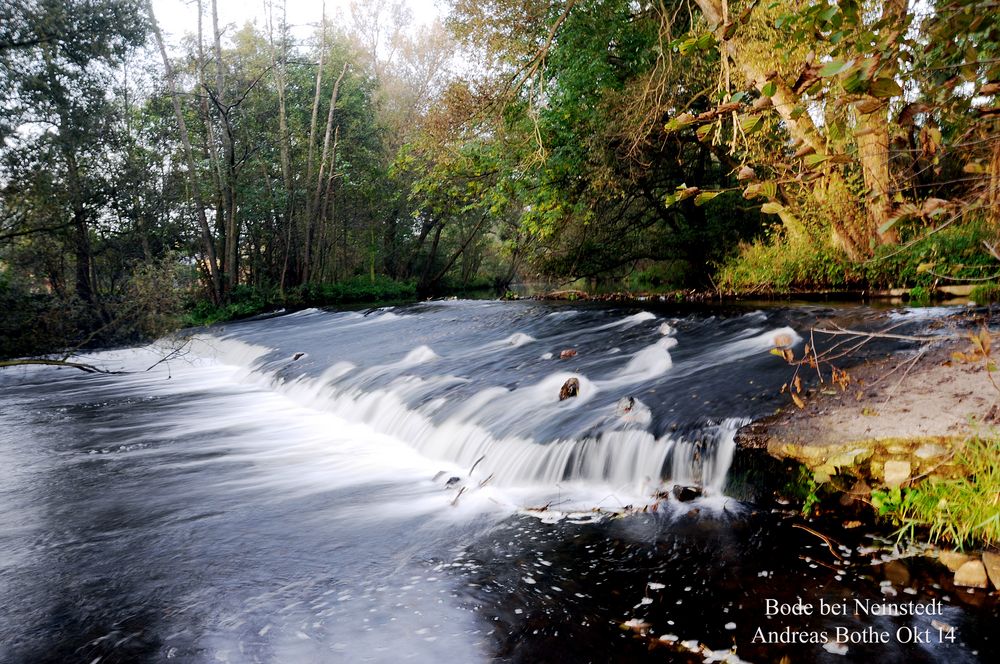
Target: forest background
[[741, 147]]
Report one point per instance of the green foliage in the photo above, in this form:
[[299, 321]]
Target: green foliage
[[37, 322], [780, 266], [358, 289], [962, 511], [246, 301], [804, 488], [661, 275], [777, 264], [949, 256], [986, 293], [920, 296]]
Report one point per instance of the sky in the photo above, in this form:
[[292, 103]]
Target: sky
[[176, 17]]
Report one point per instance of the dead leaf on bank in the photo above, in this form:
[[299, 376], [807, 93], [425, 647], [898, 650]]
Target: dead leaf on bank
[[798, 401]]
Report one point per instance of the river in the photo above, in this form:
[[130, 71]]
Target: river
[[404, 484]]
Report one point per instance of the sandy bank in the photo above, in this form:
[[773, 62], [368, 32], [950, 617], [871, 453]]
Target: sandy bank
[[901, 417]]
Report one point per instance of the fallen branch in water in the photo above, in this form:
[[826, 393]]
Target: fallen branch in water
[[839, 331], [823, 537], [88, 368], [171, 355]]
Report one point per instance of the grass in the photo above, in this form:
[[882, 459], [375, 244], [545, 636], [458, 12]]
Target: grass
[[985, 293], [778, 264], [762, 267], [961, 511]]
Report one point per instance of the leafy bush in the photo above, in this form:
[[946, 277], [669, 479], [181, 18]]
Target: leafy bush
[[920, 295], [948, 256], [357, 289]]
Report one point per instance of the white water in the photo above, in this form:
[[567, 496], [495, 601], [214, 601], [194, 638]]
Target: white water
[[622, 456], [395, 421]]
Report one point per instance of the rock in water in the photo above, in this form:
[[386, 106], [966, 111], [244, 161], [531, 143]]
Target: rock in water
[[783, 340], [971, 575], [897, 572], [625, 406], [568, 353], [570, 388], [686, 493], [992, 563], [953, 559]]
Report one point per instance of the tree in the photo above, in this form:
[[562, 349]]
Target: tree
[[853, 68], [57, 62]]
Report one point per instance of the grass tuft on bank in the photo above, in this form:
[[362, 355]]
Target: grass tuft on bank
[[962, 511]]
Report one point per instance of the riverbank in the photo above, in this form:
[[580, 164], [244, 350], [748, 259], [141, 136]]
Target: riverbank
[[941, 294], [914, 436], [915, 408]]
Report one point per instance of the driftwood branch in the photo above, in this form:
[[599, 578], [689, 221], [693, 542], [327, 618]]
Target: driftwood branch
[[839, 331], [89, 368]]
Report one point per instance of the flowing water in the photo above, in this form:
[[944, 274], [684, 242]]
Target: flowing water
[[404, 484]]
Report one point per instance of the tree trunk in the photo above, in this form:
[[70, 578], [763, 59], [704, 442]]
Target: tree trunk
[[993, 193], [306, 220], [424, 284], [208, 244], [853, 238], [230, 265], [873, 150], [326, 210], [315, 209]]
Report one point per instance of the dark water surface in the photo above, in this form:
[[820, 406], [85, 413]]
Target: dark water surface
[[368, 499]]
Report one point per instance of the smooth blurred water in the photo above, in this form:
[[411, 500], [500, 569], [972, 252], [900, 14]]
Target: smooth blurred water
[[352, 486]]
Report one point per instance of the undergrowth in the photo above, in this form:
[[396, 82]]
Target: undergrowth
[[247, 301], [961, 511], [954, 255]]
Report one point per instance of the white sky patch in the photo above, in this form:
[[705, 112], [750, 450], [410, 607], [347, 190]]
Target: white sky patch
[[178, 17]]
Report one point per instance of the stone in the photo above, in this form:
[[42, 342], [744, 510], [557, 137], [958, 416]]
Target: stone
[[953, 559], [971, 575], [685, 493], [850, 457], [896, 472], [566, 354], [930, 451], [783, 340], [570, 388], [624, 406], [992, 563], [823, 474]]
